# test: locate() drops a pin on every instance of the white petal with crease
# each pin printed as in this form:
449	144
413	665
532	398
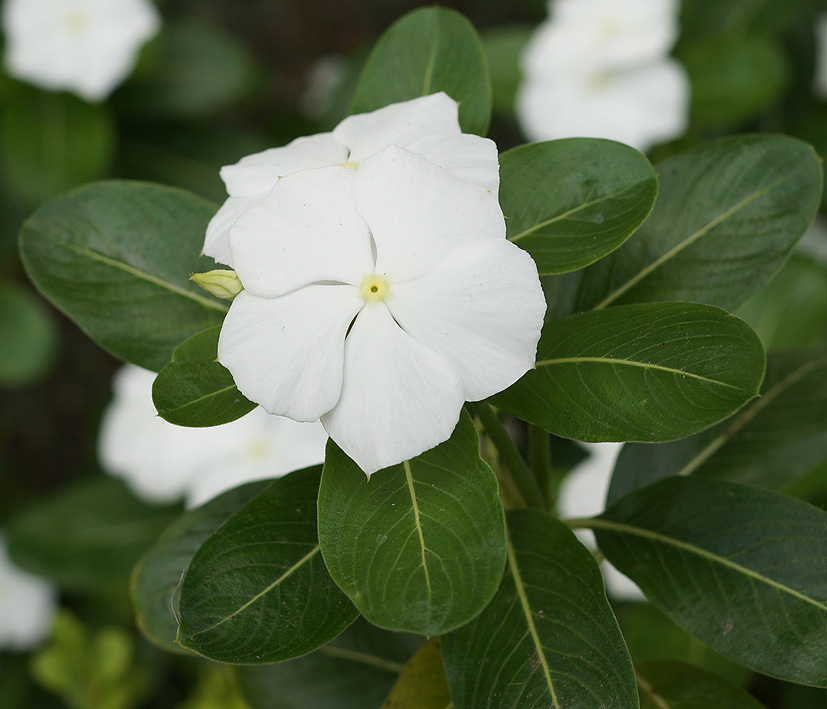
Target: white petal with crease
418	212
398	124
466	156
217	240
481	308
399	398
304	231
286	353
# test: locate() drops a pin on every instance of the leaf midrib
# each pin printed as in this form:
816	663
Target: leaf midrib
619	527
632	363
415	504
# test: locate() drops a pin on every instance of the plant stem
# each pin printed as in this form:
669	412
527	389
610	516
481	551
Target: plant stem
539	453
509	454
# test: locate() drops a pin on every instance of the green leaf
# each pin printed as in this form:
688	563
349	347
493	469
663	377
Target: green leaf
428	50
51	142
86	537
194	389
158	574
193	69
419	546
666	684
769	443
257	590
28	334
649	372
571	202
422	683
116	258
727	217
549	638
733	78
354	671
741	569
791	311
503	48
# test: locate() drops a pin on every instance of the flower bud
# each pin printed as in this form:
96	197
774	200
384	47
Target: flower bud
221	283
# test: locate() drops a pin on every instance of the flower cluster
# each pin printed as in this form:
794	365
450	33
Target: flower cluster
380	292
162	462
600	69
84	46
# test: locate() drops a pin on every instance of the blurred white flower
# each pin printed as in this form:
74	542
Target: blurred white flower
583	494
84	46
820	78
162	462
325	79
27	604
599	69
379	300
428	125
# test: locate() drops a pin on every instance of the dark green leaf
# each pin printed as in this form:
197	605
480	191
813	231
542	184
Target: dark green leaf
727	217
419	546
116	257
649	372
549	638
194	389
354	671
28	334
733	78
666	684
257	590
429	50
159	572
51	142
422	683
571	202
86	537
741	569
769	443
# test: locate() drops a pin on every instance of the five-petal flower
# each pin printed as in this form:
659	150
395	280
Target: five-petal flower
380	300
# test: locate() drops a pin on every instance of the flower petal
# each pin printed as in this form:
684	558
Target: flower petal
255	175
286	353
481	308
217	240
398	124
398	397
304	231
418	212
466	156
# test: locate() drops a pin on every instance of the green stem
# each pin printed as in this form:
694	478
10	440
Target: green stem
539	454
509	454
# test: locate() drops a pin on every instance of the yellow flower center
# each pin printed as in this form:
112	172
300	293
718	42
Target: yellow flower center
611	27
350	165
75	21
374	287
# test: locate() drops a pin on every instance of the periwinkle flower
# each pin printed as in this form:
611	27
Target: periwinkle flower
379	300
84	46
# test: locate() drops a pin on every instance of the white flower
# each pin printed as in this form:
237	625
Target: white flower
162	462
583	494
640	107
379	300
427	125
27	604
84	46
820	78
599	69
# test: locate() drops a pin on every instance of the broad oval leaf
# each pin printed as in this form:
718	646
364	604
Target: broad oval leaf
157	575
29	336
648	372
419	546
741	569
87	537
571	202
549	637
727	217
422	683
257	590
426	51
116	258
667	684
769	443
194	389
356	670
